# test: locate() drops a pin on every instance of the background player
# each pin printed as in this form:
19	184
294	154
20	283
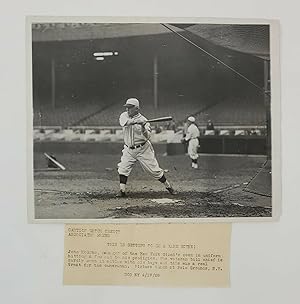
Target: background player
192	138
137	146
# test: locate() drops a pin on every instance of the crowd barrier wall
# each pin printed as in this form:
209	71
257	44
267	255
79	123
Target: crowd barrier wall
209	144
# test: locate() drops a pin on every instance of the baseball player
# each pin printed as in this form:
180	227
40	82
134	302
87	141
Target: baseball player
137	147
192	138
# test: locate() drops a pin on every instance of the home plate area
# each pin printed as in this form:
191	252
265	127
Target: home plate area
86	190
165	201
207	205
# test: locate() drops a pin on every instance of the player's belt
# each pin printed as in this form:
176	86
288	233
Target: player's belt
137	146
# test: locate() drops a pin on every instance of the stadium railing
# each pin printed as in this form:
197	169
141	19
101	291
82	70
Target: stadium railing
115	134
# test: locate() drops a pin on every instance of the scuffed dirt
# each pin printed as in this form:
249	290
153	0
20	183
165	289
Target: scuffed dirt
87	189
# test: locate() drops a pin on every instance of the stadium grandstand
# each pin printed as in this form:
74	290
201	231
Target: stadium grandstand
74	87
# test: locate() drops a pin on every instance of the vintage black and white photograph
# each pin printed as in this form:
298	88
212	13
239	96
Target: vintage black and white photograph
155	120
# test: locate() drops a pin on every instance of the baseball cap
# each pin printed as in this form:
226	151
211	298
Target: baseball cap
191	119
132	102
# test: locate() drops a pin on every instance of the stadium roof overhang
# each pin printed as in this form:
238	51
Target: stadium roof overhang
83	31
251	39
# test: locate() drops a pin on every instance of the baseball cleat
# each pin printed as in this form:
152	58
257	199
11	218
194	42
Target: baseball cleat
194	166
171	191
121	194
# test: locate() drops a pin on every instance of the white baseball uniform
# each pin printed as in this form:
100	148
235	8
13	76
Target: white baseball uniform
192	135
137	147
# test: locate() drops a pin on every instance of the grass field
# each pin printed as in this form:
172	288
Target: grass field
86	190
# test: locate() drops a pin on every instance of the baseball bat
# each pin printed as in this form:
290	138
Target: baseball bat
55	162
166	118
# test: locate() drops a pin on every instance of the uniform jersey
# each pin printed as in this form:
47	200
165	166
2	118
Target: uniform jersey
132	152
192	132
133	134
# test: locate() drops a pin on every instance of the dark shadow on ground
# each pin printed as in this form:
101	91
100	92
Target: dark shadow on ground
204	210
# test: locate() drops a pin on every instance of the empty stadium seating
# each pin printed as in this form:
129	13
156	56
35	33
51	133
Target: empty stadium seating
178	109
238	111
189	82
243	111
65	116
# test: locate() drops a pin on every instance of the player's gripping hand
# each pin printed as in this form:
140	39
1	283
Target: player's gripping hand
141	121
132	121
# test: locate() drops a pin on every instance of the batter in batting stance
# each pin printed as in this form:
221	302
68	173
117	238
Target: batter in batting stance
192	137
137	147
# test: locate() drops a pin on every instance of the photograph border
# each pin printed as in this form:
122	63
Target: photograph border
275	114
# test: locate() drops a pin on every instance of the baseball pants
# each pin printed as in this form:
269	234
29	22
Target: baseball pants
193	148
145	156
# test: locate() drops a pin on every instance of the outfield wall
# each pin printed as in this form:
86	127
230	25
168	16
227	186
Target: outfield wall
225	145
209	144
